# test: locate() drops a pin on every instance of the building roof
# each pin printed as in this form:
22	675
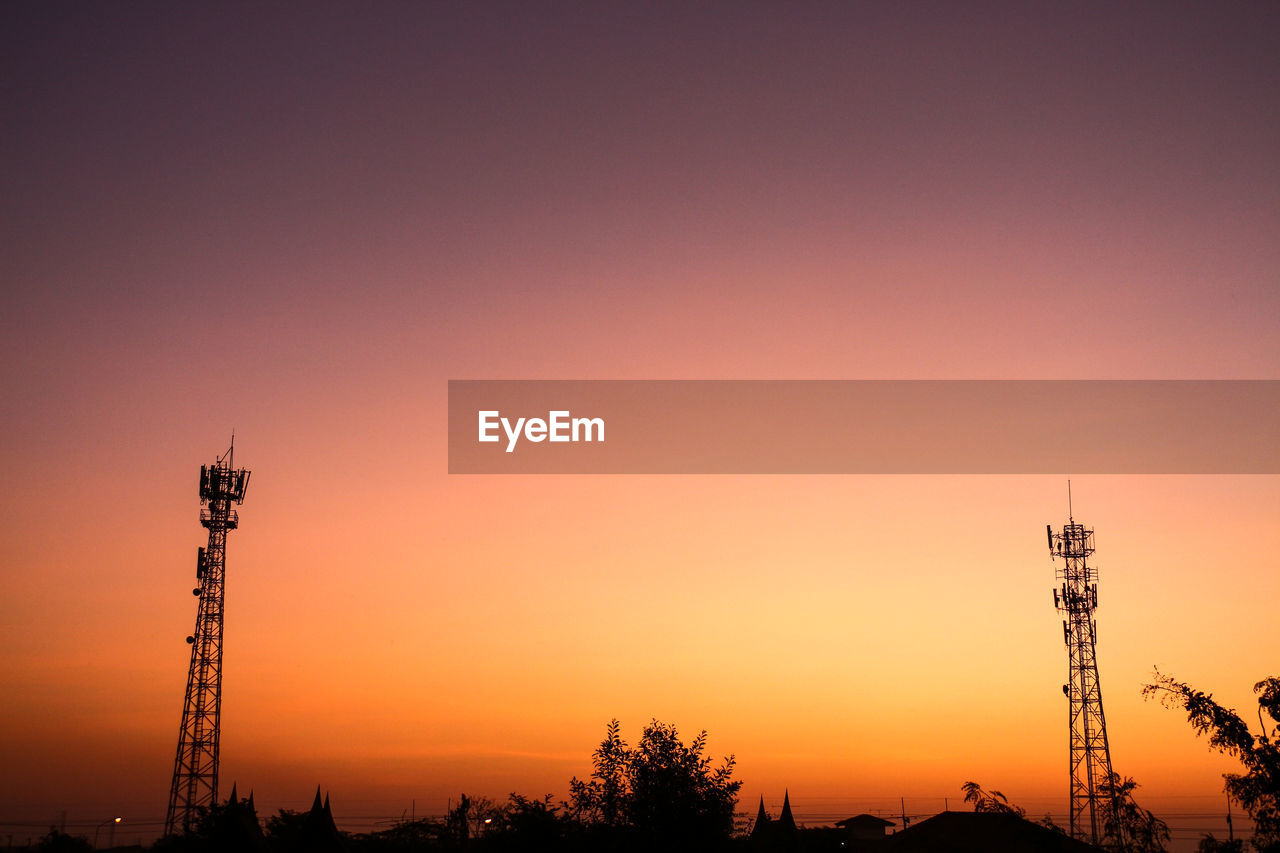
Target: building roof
865	820
983	832
318	830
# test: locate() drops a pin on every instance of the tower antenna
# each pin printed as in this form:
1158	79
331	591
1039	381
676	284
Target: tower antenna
195	768
1092	792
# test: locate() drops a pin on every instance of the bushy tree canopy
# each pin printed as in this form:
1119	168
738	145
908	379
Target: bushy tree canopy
658	792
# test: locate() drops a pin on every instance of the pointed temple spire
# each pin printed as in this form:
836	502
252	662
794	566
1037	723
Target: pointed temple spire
786	822
762	821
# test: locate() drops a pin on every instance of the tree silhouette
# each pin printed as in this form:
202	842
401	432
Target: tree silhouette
528	824
231	825
601	801
285	827
1258	788
1141	830
660	794
992	802
57	841
471	817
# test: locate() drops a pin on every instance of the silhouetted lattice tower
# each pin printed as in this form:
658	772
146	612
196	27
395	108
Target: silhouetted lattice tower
195	770
1092	794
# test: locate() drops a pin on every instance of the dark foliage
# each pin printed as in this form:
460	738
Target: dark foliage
1141	830
1257	789
602	800
285	827
471	818
228	826
59	842
529	824
1049	823
424	834
661	794
991	802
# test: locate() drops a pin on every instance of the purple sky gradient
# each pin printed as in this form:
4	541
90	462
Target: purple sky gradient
278	167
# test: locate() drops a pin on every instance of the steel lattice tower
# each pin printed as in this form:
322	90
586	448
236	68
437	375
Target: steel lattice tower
195	769
1092	792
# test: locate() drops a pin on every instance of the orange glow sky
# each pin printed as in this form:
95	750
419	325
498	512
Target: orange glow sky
303	228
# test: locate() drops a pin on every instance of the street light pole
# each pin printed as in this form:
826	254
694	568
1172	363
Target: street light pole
112	838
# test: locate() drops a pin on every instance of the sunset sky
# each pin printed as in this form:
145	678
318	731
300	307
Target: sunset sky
300	224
